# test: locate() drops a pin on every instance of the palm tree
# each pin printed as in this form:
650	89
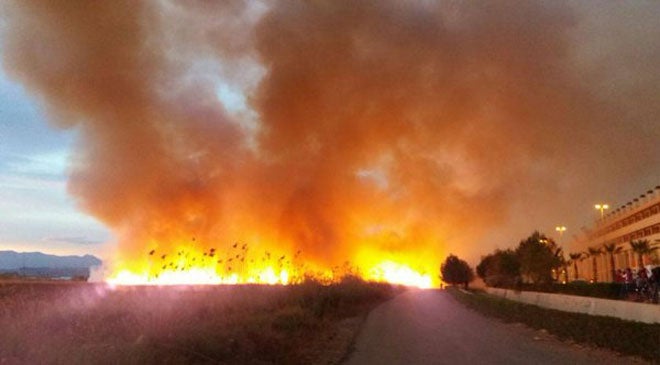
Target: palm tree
593	252
612	249
575	257
559	262
641	248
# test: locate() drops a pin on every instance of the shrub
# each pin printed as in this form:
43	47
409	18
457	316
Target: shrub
595	290
632	338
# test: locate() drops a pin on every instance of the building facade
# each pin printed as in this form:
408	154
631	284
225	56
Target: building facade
639	219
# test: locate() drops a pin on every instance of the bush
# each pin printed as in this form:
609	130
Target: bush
595	290
501	268
628	337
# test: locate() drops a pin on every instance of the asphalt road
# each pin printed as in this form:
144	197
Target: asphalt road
431	327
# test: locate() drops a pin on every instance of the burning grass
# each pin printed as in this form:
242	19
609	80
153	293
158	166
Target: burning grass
193	263
246	324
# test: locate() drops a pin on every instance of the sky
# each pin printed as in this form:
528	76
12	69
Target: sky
457	127
36	213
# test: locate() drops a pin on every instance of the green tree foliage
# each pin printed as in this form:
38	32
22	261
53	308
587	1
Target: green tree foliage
501	268
539	256
456	271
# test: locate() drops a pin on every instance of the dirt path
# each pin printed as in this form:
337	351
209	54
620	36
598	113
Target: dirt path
430	327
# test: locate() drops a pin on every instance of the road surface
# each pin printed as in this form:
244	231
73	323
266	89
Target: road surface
431	327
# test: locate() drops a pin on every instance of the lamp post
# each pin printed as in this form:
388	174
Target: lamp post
601	207
561	230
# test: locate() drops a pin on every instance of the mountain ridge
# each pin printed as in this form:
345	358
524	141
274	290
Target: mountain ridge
12	260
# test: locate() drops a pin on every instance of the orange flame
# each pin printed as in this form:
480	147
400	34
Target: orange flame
237	265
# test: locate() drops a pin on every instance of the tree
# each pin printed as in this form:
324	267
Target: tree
574	258
456	271
501	268
561	262
538	256
641	248
593	253
485	266
612	249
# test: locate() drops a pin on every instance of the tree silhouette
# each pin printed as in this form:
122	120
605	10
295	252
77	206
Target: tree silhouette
538	256
456	271
574	258
499	268
641	248
612	249
593	253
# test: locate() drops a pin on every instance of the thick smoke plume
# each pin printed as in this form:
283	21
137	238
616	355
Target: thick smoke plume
403	128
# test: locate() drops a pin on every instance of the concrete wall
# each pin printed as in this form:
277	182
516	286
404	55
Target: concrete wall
631	311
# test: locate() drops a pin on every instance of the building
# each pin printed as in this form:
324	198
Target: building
638	219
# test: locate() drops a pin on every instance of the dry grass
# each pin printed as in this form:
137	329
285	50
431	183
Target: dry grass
246	324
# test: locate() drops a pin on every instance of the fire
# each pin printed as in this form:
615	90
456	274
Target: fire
196	276
236	265
181	132
398	269
378	253
194	266
396	273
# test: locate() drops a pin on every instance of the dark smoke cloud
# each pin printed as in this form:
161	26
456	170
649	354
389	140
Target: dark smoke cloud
403	126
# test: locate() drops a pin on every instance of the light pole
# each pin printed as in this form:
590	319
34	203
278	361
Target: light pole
561	230
601	207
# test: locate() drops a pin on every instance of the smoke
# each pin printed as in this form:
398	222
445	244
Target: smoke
411	128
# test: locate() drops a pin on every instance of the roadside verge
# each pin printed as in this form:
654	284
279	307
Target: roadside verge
630	311
625	337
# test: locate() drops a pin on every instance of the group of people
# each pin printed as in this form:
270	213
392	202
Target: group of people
642	283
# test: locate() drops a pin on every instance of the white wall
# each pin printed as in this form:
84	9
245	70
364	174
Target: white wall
631	311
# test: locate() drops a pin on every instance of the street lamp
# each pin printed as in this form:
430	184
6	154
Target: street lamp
601	207
561	230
